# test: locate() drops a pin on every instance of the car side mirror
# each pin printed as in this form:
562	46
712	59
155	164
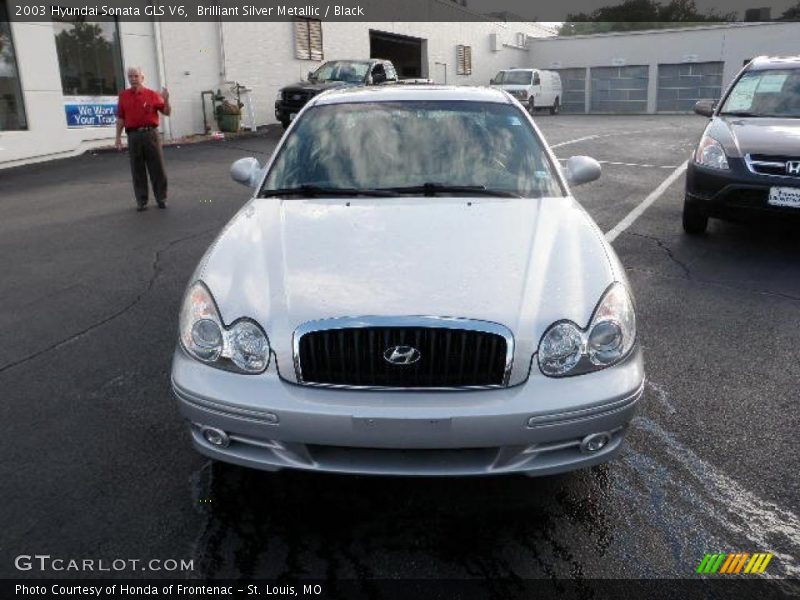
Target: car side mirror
582	169
493	82
246	171
310	75
705	107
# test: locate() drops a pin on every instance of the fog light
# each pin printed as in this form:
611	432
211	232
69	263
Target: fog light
595	442
216	437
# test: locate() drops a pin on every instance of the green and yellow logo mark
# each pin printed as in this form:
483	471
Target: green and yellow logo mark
732	564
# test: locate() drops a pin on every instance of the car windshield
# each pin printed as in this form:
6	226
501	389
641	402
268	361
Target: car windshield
773	93
426	147
342	70
514	77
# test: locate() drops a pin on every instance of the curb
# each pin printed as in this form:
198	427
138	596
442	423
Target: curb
261	131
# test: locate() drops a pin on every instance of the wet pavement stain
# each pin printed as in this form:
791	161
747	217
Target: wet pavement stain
290	525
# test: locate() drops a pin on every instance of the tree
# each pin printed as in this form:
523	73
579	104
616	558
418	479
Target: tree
637	15
792	14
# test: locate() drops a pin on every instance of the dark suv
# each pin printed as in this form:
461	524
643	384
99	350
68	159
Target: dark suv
334	73
748	160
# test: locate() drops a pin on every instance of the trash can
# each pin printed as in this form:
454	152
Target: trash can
229	123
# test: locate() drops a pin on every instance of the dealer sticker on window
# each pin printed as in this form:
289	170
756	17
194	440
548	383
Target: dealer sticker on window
784	196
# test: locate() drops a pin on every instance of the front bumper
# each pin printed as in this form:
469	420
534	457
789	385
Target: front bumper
536	427
736	192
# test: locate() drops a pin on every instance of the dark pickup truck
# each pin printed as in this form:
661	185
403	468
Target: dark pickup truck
334	73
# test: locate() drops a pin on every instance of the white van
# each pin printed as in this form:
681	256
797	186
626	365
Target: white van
532	87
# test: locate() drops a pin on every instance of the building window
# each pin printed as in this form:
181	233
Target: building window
308	39
463	60
89	57
12	110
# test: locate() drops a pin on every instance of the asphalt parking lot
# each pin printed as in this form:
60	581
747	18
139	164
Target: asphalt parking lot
97	462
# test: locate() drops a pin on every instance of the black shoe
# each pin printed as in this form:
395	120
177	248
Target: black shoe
162	204
141	207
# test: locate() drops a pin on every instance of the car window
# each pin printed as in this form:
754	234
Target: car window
770	93
536	79
350	72
379	73
514	77
399	144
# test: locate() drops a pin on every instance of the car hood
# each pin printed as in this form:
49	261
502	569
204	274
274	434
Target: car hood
316	86
742	136
523	263
512	87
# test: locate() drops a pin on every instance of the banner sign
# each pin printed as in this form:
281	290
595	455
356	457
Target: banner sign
90	111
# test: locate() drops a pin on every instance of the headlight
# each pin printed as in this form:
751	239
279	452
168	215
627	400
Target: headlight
710	154
566	349
241	347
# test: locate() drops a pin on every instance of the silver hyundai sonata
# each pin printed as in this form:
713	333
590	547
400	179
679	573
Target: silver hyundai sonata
412	290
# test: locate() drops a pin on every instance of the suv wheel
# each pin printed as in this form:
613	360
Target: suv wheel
555	108
695	221
531	105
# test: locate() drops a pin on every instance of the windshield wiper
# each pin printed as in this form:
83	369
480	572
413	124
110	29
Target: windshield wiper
312	191
739	113
431	189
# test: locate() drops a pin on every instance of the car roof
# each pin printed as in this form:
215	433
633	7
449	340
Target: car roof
774	62
398	93
353	60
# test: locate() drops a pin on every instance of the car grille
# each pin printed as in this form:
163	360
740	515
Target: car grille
766	164
449	357
297	98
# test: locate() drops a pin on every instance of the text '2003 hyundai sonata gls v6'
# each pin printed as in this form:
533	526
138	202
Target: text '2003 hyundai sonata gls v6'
411	291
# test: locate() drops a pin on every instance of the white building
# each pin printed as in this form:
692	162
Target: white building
59	80
665	70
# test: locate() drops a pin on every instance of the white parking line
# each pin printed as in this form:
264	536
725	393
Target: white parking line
625	164
575	141
605	135
645	204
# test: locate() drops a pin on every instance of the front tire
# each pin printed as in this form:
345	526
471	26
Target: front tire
695	221
555	108
531	105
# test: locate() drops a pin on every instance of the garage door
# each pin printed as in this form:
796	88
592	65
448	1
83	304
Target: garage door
405	52
681	85
619	89
573	85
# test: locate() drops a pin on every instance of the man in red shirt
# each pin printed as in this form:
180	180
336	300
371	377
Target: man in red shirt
137	114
